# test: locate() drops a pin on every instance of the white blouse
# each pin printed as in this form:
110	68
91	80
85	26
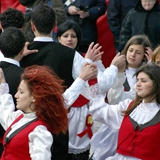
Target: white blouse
37	148
117	93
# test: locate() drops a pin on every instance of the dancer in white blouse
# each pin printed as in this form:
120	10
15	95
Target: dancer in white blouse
40	114
69	34
138	120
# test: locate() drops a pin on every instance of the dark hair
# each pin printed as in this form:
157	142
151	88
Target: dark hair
137	40
47	90
12	18
12	41
153	71
67	25
43	17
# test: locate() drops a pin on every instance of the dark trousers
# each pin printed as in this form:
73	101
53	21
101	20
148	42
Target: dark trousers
81	156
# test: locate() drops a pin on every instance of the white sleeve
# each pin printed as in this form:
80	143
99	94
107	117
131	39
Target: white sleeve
40	142
7	107
78	62
72	93
110	115
107	78
117	93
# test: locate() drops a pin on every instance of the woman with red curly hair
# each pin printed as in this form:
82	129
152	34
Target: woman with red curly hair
41	113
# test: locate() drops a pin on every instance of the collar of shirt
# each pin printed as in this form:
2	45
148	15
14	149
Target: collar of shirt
13	61
43	39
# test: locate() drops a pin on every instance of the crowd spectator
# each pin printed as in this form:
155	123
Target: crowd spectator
142	19
116	12
85	13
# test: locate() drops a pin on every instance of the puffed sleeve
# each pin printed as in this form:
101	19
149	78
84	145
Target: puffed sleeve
7	107
107	78
40	142
110	115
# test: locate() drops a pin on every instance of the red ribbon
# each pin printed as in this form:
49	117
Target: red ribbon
80	101
89	124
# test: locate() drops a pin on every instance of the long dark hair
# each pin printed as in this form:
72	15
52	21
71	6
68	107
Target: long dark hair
67	25
153	71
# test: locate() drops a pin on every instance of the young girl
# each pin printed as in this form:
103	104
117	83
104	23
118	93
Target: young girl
135	51
141	117
69	34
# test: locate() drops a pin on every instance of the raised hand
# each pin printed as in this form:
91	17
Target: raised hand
119	61
89	71
148	53
94	52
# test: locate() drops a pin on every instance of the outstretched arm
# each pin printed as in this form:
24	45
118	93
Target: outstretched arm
89	71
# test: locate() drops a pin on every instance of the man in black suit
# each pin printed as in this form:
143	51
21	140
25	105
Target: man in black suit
12	42
65	62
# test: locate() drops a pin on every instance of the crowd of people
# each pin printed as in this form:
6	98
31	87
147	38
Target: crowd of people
54	86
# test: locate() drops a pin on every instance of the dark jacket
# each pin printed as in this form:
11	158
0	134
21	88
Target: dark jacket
116	12
140	21
58	7
96	8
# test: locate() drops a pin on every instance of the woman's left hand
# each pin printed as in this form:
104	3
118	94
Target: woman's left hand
148	53
2	78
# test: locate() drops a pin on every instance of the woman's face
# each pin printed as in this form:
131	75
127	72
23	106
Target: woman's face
148	4
135	55
24	98
144	86
157	60
69	38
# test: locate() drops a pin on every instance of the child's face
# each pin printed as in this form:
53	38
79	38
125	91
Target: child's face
135	55
148	4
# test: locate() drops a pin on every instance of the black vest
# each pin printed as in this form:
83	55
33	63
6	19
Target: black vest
58	57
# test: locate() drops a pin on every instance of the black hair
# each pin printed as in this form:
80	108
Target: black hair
12	18
12	41
67	25
43	17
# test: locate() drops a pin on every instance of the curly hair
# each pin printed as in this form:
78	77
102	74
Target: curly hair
47	90
12	18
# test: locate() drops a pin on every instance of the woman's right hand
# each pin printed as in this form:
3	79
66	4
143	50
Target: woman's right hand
89	71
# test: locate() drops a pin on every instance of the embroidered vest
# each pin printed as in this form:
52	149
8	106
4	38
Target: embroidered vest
17	148
140	141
